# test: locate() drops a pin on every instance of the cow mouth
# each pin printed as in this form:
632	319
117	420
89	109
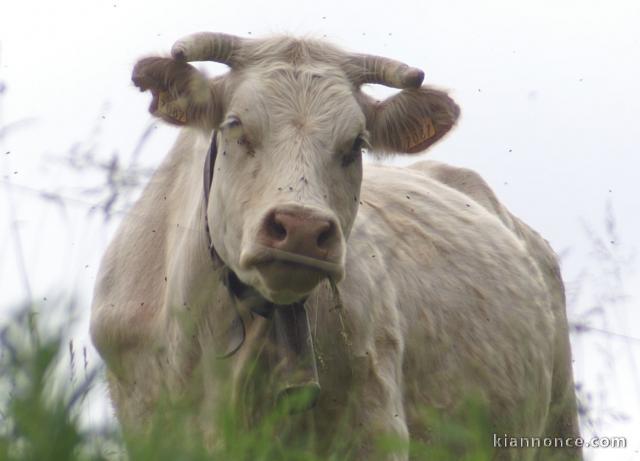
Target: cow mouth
288	277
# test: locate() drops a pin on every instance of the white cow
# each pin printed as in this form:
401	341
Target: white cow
407	288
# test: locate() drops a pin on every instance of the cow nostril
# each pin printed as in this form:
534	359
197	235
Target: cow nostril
324	237
275	229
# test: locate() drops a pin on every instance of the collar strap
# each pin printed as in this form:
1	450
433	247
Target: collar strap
209	164
247	295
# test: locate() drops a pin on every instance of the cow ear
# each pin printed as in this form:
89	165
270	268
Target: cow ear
181	94
409	121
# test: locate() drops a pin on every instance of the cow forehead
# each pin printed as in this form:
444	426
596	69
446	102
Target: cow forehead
309	98
290	50
298	86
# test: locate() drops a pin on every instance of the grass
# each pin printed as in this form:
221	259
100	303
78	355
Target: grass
39	418
35	424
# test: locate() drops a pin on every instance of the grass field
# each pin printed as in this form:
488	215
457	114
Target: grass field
39	417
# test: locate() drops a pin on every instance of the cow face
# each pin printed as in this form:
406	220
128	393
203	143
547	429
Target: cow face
291	124
287	179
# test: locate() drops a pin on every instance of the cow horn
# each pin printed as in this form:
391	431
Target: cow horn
364	68
207	46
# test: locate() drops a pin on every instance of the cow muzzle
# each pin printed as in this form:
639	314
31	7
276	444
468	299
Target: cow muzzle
295	248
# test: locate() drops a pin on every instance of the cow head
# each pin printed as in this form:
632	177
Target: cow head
291	123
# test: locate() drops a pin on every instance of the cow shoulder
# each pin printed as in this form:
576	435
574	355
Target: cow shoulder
131	283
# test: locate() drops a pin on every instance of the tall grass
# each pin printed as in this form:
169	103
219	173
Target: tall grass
39	418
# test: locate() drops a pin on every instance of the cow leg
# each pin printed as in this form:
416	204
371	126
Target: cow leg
380	414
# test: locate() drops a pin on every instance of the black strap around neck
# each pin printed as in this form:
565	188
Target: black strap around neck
209	164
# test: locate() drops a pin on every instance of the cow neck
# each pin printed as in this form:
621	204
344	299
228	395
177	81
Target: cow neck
291	333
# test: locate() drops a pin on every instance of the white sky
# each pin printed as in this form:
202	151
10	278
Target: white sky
549	95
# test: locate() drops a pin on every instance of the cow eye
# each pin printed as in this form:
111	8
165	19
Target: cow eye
231	123
235	132
355	152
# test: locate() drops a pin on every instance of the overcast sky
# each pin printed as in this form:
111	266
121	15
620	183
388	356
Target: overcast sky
549	96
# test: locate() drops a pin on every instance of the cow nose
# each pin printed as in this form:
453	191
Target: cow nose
300	232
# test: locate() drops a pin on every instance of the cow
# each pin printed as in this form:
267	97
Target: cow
265	242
